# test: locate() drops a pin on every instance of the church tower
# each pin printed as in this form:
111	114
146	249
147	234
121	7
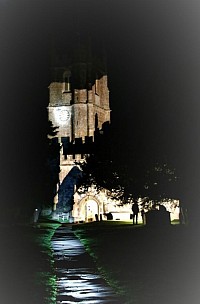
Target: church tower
78	106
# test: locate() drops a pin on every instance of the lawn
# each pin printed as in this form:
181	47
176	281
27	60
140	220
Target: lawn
146	265
26	261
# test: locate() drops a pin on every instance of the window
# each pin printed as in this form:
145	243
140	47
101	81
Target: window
66	81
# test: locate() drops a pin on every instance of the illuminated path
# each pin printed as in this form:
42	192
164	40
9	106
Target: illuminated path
78	280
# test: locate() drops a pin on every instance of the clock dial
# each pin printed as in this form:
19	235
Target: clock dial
62	115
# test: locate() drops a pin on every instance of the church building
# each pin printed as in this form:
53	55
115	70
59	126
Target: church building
79	107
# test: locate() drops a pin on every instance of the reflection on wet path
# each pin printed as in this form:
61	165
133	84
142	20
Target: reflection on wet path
78	281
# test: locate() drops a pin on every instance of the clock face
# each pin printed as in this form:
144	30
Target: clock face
62	115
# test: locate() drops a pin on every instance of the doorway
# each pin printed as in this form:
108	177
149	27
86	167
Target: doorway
91	208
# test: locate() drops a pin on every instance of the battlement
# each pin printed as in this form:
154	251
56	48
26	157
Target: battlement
79	148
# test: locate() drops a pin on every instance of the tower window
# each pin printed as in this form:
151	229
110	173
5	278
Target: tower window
96	86
67	81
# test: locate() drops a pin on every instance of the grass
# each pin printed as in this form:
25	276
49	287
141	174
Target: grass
26	262
45	279
145	265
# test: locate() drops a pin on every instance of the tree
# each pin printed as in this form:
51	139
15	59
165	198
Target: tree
100	168
127	173
51	165
41	176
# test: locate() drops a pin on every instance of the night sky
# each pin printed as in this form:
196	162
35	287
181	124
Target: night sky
153	49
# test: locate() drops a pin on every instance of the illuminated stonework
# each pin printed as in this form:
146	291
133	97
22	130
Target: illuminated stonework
78	106
94	205
82	113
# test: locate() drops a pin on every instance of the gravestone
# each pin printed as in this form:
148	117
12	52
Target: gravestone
157	218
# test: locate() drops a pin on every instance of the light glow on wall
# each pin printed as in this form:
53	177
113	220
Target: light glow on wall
61	115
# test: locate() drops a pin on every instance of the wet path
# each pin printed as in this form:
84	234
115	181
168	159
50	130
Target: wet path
78	280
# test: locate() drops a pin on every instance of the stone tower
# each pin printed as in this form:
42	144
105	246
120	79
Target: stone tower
78	106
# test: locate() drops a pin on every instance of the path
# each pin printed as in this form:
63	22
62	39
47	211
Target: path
78	280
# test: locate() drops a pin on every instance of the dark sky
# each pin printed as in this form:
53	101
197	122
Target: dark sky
153	49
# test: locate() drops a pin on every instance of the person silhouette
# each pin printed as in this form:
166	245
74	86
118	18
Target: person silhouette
143	215
135	210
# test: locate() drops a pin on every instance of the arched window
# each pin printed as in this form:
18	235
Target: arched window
97	86
66	81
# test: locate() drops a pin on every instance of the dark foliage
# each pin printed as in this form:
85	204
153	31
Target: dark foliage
126	173
52	165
